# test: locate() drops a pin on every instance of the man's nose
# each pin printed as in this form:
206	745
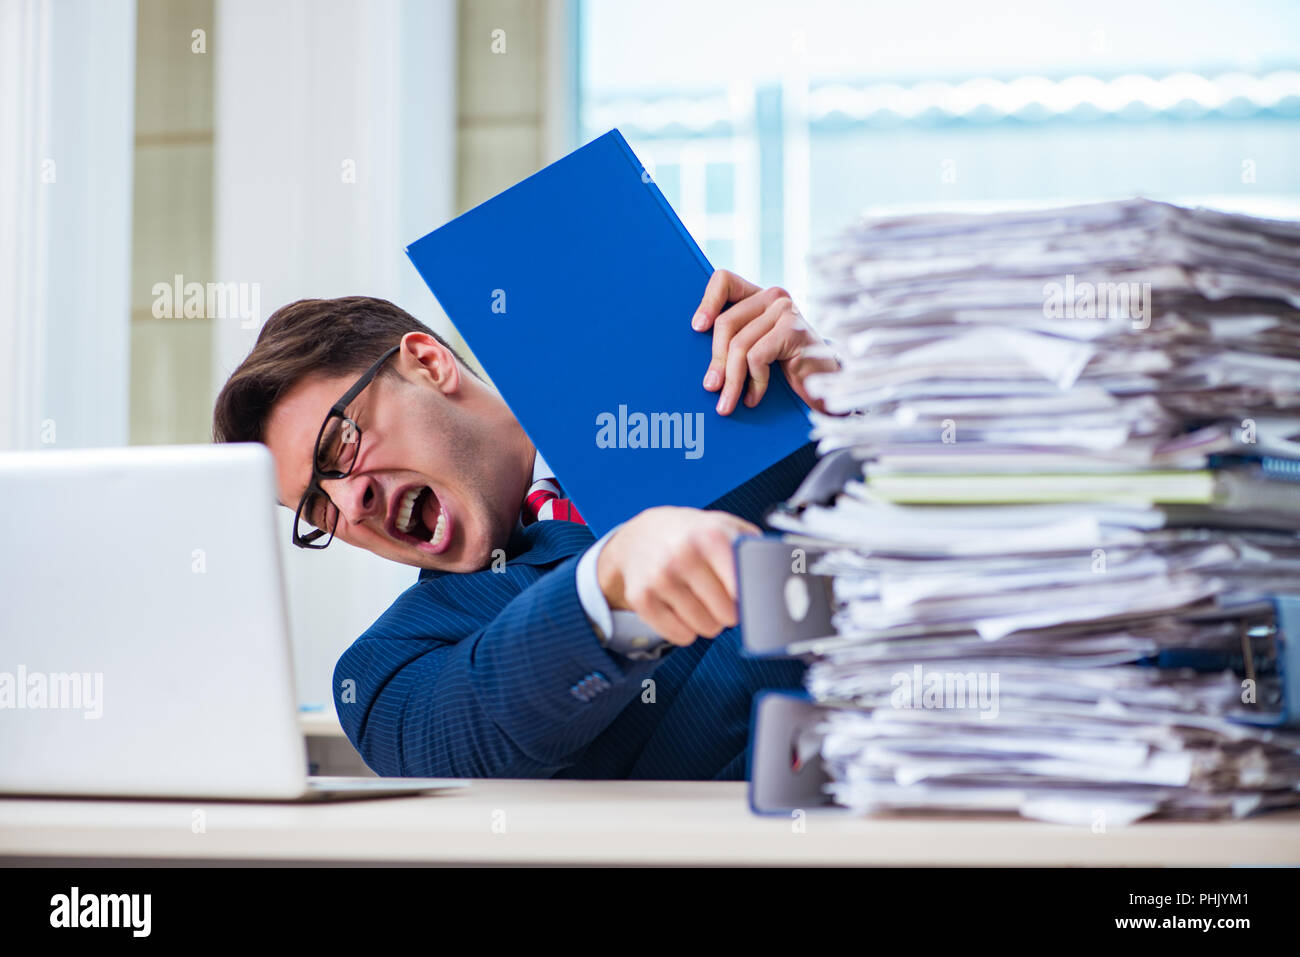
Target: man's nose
357	497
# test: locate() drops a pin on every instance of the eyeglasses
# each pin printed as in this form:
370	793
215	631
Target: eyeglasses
337	445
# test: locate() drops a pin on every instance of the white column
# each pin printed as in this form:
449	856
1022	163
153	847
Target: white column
309	92
303	87
67	105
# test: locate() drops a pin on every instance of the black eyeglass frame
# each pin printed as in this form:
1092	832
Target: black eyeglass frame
318	474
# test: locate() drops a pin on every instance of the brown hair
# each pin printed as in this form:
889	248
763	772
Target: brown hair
327	337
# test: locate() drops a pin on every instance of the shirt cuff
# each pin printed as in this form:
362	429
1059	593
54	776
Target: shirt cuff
620	631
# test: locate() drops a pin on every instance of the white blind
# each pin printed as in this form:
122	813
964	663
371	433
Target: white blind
67	100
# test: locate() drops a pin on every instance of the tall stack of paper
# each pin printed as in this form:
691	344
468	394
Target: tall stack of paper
1079	494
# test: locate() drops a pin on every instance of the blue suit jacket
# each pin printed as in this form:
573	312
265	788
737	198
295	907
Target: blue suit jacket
499	674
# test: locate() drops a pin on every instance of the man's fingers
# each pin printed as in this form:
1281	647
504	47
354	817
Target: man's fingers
729	323
717	550
766	351
782	340
724	287
737	366
738	524
659	615
699	575
682	597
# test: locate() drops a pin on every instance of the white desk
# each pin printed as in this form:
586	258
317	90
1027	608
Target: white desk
600	822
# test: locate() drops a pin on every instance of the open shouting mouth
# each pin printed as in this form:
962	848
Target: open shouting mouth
418	518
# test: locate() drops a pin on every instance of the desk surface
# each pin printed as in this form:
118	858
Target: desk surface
322	724
601	822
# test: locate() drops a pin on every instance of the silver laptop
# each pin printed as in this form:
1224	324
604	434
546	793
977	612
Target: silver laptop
144	643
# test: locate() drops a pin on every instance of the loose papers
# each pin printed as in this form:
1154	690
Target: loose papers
1078	434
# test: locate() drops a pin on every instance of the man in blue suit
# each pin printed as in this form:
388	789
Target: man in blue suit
526	648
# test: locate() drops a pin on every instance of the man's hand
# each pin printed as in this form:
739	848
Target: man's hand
674	567
761	326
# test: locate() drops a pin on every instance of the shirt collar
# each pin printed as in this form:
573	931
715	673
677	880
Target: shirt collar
540	469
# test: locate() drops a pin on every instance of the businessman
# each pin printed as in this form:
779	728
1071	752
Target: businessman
526	648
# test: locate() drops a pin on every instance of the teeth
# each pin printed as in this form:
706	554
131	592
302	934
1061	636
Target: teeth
405	521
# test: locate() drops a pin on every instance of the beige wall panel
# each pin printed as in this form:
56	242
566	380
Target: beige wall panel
173	84
501	86
172	220
171	362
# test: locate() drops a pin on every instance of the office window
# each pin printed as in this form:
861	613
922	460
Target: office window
771	126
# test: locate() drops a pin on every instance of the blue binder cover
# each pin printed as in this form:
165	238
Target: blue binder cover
575	289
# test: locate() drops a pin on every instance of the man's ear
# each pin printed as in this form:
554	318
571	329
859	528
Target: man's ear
424	360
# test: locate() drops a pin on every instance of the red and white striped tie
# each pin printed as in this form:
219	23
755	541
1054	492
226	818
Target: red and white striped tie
543	502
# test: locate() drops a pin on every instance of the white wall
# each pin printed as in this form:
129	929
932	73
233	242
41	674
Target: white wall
301	87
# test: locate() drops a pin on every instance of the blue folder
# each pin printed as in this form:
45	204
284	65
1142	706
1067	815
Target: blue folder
575	289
